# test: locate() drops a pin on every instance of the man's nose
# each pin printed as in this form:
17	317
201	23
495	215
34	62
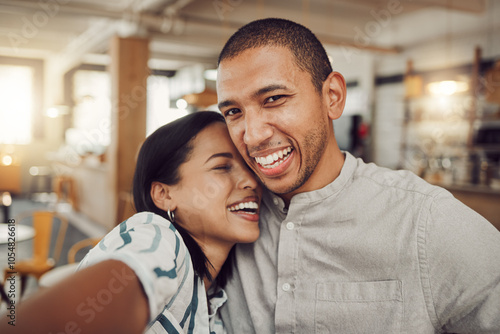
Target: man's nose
257	130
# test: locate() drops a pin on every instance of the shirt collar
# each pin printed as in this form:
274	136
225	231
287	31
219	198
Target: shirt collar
216	298
320	194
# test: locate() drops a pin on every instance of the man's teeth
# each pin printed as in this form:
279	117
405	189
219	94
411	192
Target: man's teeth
271	160
245	205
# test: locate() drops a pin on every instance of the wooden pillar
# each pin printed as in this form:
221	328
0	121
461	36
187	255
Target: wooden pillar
474	89
129	73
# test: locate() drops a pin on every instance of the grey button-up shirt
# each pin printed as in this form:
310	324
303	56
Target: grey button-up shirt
375	251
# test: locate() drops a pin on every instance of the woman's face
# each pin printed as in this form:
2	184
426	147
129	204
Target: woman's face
218	197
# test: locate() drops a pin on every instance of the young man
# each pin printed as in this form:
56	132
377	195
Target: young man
345	247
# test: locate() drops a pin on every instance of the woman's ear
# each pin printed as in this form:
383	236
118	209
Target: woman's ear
160	194
334	92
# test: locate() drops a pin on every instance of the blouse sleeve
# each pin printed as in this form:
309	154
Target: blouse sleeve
153	249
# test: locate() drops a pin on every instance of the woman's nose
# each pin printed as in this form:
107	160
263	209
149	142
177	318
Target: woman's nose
247	179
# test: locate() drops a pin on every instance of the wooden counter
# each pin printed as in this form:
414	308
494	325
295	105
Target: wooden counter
482	199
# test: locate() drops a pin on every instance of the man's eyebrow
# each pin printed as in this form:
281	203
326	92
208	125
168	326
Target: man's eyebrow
226	103
260	92
222	154
267	89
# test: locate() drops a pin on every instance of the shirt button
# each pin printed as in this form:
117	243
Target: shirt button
286	287
276	201
290	226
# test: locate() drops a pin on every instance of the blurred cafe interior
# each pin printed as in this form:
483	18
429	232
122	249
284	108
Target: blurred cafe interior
83	82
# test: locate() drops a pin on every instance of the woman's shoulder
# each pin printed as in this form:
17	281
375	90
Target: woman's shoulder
144	232
146	222
145	218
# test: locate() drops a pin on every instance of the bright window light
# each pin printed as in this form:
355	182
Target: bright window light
159	111
16	92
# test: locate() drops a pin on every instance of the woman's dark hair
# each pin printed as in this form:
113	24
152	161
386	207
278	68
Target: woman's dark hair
160	157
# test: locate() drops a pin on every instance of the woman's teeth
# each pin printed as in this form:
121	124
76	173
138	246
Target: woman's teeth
275	159
243	206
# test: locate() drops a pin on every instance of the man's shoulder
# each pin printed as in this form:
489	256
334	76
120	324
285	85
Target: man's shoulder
403	180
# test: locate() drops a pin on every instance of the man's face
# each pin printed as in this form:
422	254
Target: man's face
276	117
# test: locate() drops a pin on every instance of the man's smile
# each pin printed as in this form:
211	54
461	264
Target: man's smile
275	159
276	163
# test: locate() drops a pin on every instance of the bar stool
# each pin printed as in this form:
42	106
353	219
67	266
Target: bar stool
65	189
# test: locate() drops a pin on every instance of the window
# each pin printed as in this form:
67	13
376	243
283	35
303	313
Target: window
16	109
159	111
90	132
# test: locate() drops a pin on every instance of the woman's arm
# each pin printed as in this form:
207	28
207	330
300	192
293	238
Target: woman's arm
104	298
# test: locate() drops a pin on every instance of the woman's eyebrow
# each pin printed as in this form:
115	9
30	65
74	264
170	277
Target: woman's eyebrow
222	154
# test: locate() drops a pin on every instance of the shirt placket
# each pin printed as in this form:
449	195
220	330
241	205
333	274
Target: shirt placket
285	316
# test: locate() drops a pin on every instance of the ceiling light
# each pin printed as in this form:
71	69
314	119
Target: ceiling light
7	160
52	112
447	87
56	111
6	199
181	104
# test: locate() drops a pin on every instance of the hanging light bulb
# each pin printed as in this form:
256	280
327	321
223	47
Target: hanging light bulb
447	87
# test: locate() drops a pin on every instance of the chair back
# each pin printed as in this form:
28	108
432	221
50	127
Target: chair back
44	226
89	243
41	262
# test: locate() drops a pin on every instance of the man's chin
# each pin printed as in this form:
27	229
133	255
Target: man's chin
287	185
282	184
278	186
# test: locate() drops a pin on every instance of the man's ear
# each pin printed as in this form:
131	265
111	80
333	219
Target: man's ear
160	194
334	92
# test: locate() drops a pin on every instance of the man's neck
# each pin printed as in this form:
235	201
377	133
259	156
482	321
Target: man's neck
327	171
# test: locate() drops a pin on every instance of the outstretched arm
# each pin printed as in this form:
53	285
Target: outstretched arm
104	298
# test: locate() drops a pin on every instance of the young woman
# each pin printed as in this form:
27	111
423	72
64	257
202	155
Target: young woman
163	269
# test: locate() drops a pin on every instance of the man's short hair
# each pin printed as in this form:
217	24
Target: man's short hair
309	53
